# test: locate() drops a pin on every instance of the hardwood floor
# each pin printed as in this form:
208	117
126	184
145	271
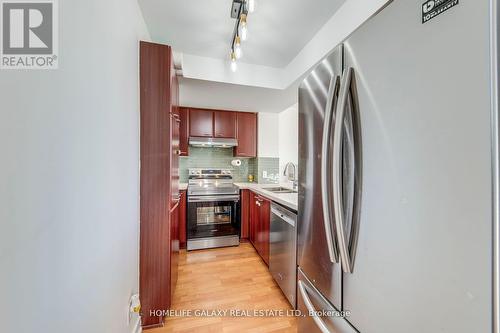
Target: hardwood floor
227	279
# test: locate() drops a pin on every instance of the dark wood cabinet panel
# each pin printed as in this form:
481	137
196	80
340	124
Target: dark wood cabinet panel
182	219
259	226
174	247
246	133
265	228
184	131
253	219
201	123
219	124
158	226
224	124
245	213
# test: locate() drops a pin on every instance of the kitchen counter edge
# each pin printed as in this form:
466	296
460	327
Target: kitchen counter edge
289	200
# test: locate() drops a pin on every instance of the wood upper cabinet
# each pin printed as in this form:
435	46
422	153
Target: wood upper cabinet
246	133
201	123
260	225
225	124
184	131
219	124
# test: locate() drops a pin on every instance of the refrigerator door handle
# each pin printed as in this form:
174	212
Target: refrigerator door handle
310	307
326	187
347	251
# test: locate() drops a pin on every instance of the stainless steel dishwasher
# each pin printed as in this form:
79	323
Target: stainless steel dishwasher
283	251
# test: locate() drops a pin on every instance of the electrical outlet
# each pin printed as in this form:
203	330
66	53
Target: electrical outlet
264	174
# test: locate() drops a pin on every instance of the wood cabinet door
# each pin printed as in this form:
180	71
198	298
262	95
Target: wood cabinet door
184	131
265	228
246	133
174	247
201	123
182	220
254	218
157	99
225	124
245	214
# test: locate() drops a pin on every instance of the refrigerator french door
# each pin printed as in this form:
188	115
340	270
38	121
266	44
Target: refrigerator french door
411	184
317	250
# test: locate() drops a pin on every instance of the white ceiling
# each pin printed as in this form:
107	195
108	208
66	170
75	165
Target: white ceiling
277	30
283	46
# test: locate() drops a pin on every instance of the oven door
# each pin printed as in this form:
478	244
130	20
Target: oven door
213	216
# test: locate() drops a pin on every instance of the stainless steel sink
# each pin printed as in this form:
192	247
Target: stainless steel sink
279	189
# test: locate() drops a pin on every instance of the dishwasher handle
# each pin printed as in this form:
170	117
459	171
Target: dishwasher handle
284	215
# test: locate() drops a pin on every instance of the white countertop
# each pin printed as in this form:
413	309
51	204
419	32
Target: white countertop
289	200
183	186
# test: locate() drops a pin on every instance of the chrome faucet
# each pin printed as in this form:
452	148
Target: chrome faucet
293	176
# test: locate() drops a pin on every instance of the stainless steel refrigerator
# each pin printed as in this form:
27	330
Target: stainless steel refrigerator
397	175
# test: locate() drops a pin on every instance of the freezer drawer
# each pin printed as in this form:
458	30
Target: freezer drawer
283	251
310	300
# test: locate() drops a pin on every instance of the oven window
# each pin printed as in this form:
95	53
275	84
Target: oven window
213	215
212	219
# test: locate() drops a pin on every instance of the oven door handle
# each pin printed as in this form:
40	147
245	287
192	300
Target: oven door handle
213	198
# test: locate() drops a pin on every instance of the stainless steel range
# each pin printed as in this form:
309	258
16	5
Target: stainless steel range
213	205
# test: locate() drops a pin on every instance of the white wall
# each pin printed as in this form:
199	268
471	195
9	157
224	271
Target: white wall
351	15
225	96
268	135
69	177
288	137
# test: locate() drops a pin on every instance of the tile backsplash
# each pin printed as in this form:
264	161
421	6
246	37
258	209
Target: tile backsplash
267	170
264	169
216	158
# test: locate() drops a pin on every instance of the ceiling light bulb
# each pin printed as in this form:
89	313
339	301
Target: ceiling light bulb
237	52
234	66
243	19
237	47
243	27
244	32
251	6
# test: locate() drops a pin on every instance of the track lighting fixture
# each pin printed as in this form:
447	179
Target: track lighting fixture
239	11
